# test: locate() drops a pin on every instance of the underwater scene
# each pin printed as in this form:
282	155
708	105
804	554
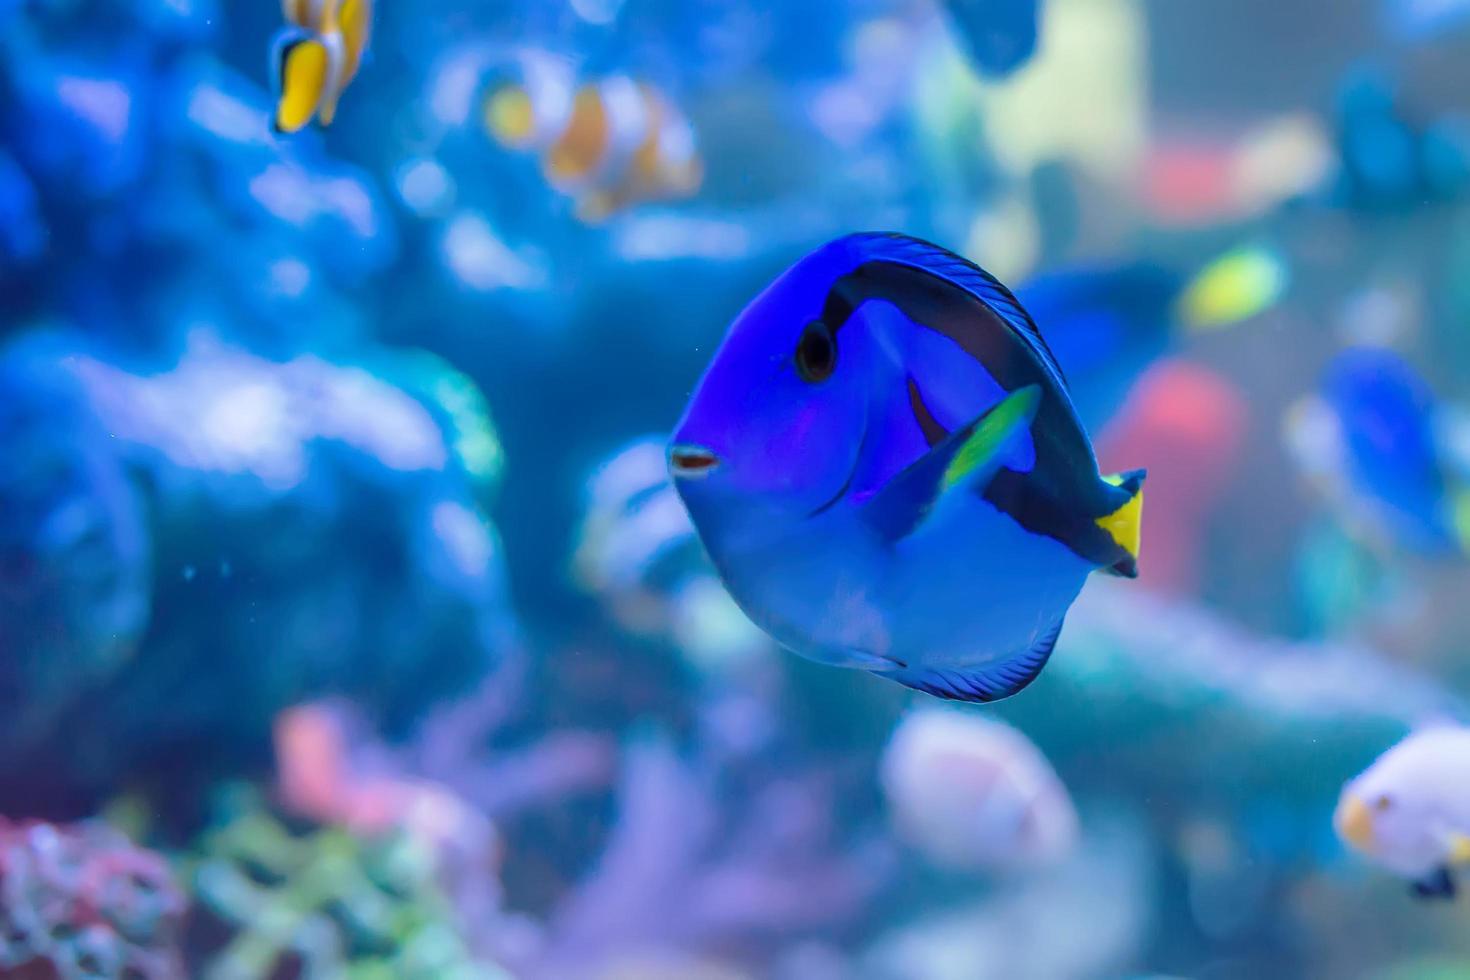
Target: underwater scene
718	490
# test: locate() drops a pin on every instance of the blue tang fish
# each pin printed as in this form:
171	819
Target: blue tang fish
1369	434
887	470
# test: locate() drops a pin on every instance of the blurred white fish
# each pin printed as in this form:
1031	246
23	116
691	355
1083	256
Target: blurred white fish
973	793
1409	812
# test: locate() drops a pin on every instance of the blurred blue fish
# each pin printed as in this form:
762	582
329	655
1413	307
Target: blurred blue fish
1369	436
1105	324
998	35
1387	158
885	465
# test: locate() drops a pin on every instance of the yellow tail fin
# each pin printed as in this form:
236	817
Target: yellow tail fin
1124	524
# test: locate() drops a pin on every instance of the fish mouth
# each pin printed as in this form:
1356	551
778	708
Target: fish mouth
1354	822
690	462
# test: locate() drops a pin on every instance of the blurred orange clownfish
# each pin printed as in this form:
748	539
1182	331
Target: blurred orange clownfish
314	58
608	144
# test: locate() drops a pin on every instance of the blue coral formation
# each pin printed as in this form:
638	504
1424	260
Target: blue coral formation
177	558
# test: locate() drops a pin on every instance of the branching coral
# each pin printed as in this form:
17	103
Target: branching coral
324	903
83	902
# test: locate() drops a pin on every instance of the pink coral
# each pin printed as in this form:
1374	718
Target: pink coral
1193	422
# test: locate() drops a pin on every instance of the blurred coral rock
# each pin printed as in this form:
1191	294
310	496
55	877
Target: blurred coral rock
82	901
187	550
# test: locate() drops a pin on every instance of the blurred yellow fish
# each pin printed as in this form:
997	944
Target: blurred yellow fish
1237	286
315	57
608	144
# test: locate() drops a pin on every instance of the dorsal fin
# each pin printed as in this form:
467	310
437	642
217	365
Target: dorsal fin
918	254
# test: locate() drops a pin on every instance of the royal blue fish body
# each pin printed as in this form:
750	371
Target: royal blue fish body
1385	411
887	469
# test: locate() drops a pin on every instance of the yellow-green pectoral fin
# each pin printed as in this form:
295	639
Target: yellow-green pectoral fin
992	434
1459	848
969	457
303	80
1124	525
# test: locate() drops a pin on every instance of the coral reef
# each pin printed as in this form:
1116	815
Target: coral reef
82	902
679	872
248	472
177	560
323	903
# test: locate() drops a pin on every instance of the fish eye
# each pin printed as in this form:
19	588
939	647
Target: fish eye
1382	803
816	353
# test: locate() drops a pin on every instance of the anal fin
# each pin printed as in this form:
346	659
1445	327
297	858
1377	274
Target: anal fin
992	682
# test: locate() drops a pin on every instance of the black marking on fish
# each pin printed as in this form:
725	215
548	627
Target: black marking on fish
1063	495
934	433
846	484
